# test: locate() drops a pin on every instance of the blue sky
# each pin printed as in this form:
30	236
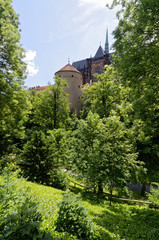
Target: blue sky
54	30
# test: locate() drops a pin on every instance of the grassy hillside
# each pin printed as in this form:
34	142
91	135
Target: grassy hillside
119	221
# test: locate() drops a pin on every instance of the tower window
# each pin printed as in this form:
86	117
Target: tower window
72	75
78	86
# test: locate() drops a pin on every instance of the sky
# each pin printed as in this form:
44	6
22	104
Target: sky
54	32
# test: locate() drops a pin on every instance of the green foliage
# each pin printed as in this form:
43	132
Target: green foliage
120	221
58	179
13	99
58	146
37	161
129	222
153	196
19	216
9	159
125	192
43	156
137	57
107	95
72	218
104	152
50	108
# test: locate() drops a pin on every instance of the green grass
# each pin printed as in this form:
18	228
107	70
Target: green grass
119	221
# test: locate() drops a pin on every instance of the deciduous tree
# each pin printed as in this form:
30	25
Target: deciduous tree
137	58
104	152
51	107
13	100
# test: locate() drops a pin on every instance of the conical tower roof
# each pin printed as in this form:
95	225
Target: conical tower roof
106	42
68	68
99	53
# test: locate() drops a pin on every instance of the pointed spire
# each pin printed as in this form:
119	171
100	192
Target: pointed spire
106	42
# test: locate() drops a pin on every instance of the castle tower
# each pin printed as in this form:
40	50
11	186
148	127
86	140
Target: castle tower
74	81
106	42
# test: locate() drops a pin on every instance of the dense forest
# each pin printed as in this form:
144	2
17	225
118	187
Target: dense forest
112	143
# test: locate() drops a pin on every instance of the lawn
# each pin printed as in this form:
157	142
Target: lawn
119	221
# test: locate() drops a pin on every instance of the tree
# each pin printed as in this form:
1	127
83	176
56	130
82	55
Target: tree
72	217
13	100
104	152
107	95
37	161
153	196
44	155
51	107
137	58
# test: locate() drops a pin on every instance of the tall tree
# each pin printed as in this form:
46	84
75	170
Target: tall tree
137	57
44	155
37	160
107	95
104	151
51	107
13	100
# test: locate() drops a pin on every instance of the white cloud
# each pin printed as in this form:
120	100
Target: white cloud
93	5
89	7
30	61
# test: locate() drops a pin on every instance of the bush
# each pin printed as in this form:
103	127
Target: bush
37	161
153	196
7	160
58	179
18	212
42	160
72	218
125	192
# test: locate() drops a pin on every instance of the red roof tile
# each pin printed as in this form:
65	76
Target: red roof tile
41	88
68	67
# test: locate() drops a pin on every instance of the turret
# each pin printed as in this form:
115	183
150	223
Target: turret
106	42
74	81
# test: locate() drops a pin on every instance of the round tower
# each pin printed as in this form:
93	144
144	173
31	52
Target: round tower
74	81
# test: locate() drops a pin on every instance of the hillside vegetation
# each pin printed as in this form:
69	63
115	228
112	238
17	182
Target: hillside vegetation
119	221
113	142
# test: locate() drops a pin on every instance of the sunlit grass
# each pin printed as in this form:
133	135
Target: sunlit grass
119	221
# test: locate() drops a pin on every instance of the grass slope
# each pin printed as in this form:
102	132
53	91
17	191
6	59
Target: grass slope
119	221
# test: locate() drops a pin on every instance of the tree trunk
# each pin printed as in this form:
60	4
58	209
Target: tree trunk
100	187
111	193
143	189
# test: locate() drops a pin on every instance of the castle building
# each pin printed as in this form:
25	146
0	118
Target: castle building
95	64
74	81
82	72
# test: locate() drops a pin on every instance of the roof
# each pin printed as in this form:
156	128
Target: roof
80	64
99	53
68	68
38	88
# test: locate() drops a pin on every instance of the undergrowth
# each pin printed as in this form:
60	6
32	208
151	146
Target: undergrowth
22	213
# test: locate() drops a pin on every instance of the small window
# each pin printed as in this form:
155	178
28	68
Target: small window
78	86
72	75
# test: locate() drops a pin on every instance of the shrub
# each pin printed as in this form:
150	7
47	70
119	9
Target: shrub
42	160
18	212
153	196
125	192
72	217
37	161
7	160
58	179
